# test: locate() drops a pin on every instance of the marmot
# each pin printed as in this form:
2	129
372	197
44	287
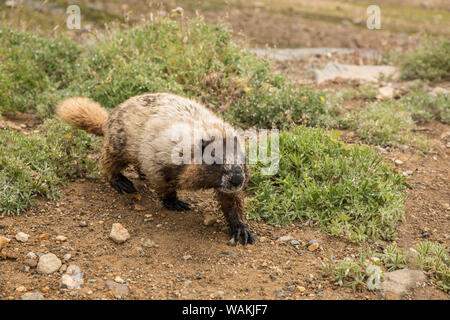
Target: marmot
141	130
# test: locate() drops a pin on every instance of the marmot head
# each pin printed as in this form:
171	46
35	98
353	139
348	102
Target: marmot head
223	166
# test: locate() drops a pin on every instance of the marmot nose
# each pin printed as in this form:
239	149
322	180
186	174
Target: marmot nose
236	180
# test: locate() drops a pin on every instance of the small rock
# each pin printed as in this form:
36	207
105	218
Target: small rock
61	238
290	288
32	296
295	242
117	288
22	237
67	257
400	281
119	280
279	294
313	245
118	233
209	220
187	257
385	93
30	263
43	236
398	162
138	207
220	292
73	278
301	289
32	255
83	224
149	243
48	263
21	289
284	238
3	242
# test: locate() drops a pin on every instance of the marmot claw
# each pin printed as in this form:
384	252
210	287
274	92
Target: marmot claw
121	184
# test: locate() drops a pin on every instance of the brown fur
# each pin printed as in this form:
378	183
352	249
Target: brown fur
83	113
138	132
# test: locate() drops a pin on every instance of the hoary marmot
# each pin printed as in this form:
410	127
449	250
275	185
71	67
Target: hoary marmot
143	131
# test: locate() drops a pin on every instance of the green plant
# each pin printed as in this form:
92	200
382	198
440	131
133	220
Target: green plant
386	123
348	272
38	164
393	258
348	191
429	62
434	259
33	69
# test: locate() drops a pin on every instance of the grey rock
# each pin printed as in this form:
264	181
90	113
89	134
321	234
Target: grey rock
400	281
117	288
22	237
48	263
32	296
118	233
335	70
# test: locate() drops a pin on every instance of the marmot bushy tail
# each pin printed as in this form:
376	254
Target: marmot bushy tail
83	113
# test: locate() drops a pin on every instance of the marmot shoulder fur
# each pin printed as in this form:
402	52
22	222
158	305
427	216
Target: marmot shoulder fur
141	130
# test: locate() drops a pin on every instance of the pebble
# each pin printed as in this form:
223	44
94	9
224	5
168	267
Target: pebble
279	294
301	289
313	245
48	263
67	257
73	278
118	233
3	242
149	243
32	255
209	220
30	263
32	296
83	224
61	238
21	289
22	237
295	242
385	93
187	257
119	280
284	238
117	288
398	162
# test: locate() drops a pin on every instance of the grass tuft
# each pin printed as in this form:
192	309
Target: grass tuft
348	191
38	164
429	62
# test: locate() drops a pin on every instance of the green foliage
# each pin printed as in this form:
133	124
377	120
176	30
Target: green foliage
349	272
37	164
393	258
392	122
427	63
32	69
434	259
197	60
348	191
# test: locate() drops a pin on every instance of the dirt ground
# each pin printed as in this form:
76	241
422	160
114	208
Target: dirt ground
173	255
